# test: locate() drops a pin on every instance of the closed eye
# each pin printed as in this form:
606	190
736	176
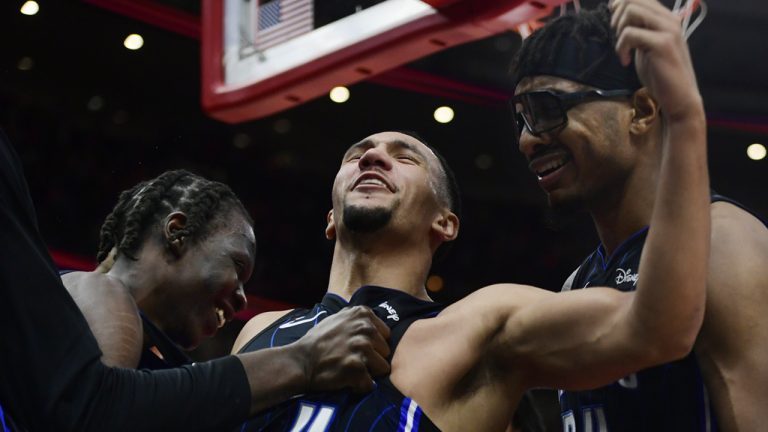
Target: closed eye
407	157
239	266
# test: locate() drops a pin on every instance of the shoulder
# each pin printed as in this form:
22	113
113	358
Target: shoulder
111	313
256	325
93	289
739	240
736	294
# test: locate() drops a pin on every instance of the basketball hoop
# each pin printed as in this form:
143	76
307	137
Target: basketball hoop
258	61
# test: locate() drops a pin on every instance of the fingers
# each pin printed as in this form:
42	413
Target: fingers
644	25
350	348
370	343
637	38
381	326
638	14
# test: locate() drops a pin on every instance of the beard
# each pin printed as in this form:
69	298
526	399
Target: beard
366	220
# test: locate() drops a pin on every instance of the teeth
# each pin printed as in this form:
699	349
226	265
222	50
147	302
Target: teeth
549	166
220	315
372	181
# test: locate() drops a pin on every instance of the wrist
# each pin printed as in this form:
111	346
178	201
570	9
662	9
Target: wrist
297	365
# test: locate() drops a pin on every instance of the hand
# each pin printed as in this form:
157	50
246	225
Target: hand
346	350
661	55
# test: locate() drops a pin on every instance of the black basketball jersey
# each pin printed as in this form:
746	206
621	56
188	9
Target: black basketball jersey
385	409
669	397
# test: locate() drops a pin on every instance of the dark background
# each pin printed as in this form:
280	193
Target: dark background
91	118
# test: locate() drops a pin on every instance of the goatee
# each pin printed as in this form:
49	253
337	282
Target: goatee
366	220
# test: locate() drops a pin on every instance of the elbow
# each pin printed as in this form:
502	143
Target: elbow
668	343
677	348
670	346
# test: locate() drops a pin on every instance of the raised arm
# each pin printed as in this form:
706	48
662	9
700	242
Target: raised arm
593	336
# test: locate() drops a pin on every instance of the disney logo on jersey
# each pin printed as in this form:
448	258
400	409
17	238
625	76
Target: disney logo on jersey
391	311
623	276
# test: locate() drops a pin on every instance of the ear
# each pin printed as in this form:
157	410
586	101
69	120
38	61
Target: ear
446	226
645	112
175	222
330	229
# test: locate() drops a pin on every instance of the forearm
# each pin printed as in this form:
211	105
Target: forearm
669	305
274	375
211	396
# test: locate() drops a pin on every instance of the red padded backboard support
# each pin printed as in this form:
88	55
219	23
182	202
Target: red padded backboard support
457	22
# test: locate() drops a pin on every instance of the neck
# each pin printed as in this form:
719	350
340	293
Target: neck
621	212
402	267
140	279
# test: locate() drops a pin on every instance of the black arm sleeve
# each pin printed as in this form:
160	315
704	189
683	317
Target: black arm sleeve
51	376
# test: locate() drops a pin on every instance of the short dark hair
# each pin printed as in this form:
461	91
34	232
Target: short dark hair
145	205
589	33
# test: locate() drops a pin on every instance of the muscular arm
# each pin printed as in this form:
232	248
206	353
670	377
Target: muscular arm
733	345
591	337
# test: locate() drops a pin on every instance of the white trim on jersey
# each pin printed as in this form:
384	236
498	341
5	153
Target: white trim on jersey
301	321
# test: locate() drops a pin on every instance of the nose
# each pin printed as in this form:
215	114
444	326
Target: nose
375	157
239	301
529	144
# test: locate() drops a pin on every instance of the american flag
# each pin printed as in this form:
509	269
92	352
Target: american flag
281	20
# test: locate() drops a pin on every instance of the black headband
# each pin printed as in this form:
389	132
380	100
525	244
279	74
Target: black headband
591	63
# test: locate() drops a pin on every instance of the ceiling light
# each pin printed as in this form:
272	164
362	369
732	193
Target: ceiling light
133	41
435	283
444	114
339	94
756	151
25	64
30	8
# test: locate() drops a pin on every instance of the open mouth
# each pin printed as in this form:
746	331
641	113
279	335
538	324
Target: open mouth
224	313
372	180
220	316
548	165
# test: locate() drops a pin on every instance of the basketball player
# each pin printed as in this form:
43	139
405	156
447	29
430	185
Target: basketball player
462	368
593	133
51	376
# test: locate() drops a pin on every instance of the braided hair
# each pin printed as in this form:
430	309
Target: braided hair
144	206
544	45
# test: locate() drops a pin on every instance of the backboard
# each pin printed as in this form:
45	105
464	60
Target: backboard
264	56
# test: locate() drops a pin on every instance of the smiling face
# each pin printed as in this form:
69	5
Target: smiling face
583	161
206	286
388	179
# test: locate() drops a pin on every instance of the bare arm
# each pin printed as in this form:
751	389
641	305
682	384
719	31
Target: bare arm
591	337
112	315
733	345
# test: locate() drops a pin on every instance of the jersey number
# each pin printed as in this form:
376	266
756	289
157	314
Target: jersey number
313	418
594	420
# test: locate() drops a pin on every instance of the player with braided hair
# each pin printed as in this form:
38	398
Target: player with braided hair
152	222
